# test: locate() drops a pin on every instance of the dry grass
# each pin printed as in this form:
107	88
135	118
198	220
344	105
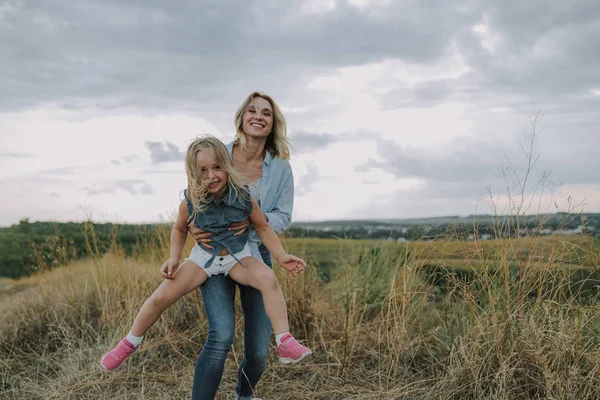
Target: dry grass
379	328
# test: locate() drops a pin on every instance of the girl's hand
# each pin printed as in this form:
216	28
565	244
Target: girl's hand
200	235
292	263
240	227
169	267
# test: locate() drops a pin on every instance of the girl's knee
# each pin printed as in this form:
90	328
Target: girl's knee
272	280
267	280
162	299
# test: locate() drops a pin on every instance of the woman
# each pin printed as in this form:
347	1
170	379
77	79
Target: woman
260	151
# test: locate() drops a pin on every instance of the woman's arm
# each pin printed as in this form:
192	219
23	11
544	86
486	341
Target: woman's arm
269	238
280	216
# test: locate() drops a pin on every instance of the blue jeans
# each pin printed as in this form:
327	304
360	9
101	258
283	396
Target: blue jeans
218	295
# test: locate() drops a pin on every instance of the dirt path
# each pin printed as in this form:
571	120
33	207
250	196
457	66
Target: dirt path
9	287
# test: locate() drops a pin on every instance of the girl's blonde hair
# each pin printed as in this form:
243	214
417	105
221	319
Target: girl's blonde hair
277	141
197	187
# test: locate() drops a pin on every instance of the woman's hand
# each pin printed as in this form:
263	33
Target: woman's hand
292	263
201	235
240	227
169	267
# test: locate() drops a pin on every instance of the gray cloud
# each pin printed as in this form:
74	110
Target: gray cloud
536	55
417	204
164	152
468	166
95	190
162	171
306	142
6	155
434	91
34	180
67	171
152	55
132	186
459	162
130	158
545	52
135	186
541	43
435	198
308	180
125	159
158	56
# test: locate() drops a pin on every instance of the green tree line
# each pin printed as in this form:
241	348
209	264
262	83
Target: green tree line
29	247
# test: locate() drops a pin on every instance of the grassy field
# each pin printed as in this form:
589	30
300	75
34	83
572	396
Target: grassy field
505	319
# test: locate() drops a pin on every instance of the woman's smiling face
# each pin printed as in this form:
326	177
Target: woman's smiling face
258	118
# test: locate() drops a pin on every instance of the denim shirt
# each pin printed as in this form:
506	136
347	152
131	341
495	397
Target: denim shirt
276	196
216	219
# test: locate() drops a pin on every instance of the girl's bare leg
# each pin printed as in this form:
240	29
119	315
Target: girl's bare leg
256	274
187	278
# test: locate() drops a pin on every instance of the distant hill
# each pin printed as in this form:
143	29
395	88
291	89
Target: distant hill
555	219
413	228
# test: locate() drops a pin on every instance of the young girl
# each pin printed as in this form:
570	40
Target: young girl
215	197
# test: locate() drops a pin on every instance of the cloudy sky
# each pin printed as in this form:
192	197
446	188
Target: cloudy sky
395	108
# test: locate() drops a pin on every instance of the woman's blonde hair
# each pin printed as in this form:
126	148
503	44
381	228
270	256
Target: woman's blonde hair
277	141
197	187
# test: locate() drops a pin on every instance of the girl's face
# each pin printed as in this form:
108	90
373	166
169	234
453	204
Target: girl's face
257	120
211	172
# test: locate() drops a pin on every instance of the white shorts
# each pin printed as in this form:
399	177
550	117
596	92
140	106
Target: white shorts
221	265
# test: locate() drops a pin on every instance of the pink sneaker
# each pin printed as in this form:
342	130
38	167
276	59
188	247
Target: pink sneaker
290	351
114	358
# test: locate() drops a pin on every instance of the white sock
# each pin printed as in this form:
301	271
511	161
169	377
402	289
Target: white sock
279	336
134	340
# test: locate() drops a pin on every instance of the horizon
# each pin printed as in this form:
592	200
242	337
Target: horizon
394	110
117	222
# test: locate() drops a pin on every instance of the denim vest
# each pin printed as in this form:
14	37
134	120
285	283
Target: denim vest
276	196
216	219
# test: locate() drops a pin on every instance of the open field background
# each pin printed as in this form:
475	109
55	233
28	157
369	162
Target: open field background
502	319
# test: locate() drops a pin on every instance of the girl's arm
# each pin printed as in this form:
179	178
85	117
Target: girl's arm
269	238
179	232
